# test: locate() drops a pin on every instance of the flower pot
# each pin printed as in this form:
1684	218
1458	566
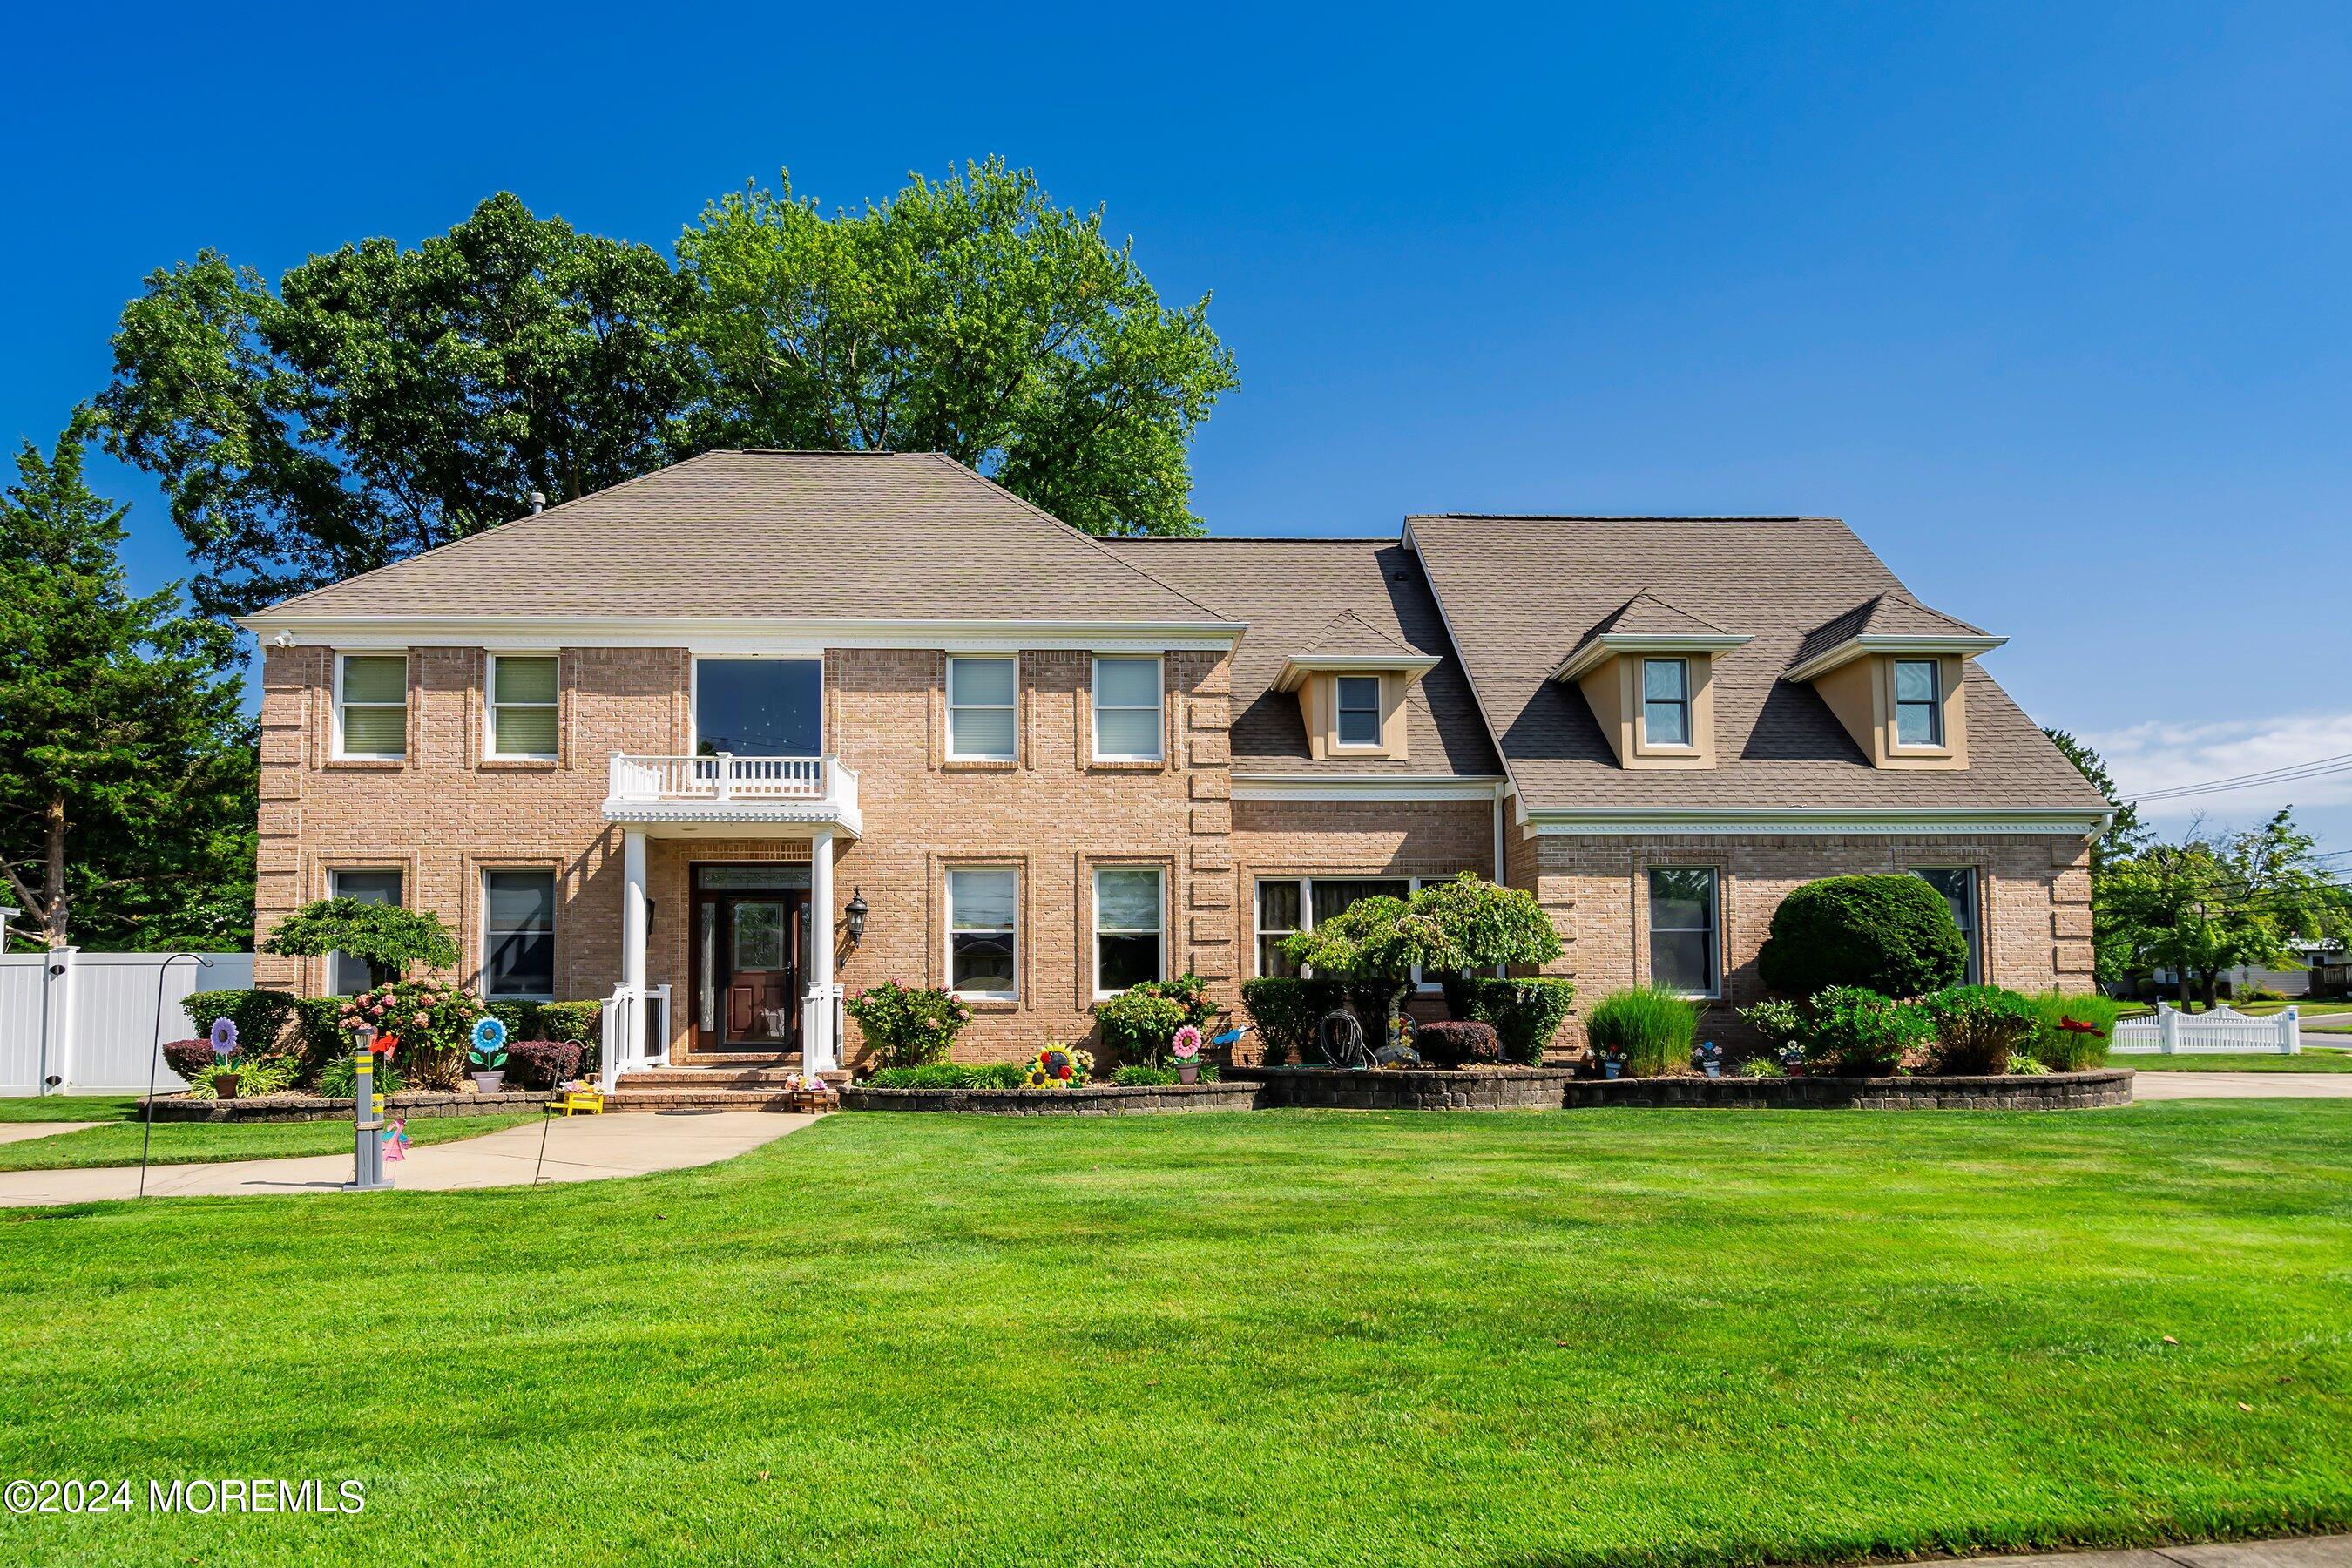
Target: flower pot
1188	1072
489	1082
1713	1069
1611	1069
224	1086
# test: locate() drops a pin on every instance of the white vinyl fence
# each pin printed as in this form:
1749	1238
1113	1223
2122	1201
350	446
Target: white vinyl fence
86	1023
2172	1031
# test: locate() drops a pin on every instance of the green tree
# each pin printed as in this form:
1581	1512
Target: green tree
385	937
2211	903
971	316
127	767
1479	928
381	401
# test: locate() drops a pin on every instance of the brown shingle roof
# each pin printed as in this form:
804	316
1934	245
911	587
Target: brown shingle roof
1519	590
1350	635
817	535
1895	614
1294	591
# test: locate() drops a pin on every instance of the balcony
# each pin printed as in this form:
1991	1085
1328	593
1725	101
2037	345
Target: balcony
725	793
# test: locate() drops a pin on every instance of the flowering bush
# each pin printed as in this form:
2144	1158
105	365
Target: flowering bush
907	1027
429	1021
1060	1067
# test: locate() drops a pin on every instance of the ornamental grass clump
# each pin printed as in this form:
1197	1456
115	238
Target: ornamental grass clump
1978	1028
1651	1029
2073	1033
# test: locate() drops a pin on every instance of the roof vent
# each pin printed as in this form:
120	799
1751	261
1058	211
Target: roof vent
537	503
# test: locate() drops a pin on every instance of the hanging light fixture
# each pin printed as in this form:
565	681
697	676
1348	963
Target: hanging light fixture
856	913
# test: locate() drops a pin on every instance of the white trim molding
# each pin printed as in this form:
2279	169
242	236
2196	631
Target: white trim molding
736	634
1299	666
1886	820
1368	786
1609	645
1846	652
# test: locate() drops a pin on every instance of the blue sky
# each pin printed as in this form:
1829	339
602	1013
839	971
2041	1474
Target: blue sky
2049	302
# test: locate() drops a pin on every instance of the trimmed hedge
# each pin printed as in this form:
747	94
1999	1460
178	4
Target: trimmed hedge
1892	933
1456	1041
260	1018
1526	1013
542	1063
951	1075
1285	1009
190	1059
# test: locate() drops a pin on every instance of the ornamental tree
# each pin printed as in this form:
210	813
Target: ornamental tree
384	937
1371	948
1478	928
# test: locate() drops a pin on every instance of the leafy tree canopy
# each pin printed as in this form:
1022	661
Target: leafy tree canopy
127	767
1481	926
385	937
2211	902
380	400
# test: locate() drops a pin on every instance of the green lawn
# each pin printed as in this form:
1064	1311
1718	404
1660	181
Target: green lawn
2310	1059
2250	1009
197	1142
1286	1337
69	1108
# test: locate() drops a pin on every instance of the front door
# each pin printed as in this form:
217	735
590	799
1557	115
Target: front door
748	968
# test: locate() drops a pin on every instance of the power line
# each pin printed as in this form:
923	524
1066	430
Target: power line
2319	767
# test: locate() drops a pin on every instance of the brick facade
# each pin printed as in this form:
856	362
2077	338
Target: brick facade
2033	903
443	815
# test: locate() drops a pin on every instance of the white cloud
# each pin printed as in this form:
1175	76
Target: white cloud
2158	755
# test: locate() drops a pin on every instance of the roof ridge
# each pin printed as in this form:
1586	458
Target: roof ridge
973	474
1620	517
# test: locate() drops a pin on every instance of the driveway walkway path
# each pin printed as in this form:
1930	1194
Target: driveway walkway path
2241	1085
2307	1552
18	1131
579	1149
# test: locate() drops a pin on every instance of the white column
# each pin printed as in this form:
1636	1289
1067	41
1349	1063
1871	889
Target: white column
634	921
817	1047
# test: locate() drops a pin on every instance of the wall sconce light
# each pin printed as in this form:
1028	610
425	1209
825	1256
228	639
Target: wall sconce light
857	913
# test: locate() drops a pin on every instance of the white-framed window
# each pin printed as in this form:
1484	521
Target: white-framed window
518	935
372	705
1918	702
1130	924
346	974
1127	710
981	697
1290	904
1665	701
984	932
1958	886
1682	925
521	701
1358	702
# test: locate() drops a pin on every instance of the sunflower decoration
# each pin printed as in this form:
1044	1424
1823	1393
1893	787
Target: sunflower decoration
1060	1067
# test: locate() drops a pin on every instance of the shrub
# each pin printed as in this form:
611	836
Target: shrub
938	1074
190	1059
2064	1049
432	1021
905	1026
542	1063
1651	1028
1285	1008
1142	1075
1775	1019
1526	1014
260	1018
1891	934
1457	1041
1978	1028
521	1019
1761	1066
579	1022
2026	1066
997	1074
318	1035
1856	1033
255	1077
1139	1022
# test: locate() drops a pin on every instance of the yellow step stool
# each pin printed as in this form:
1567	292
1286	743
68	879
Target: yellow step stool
577	1097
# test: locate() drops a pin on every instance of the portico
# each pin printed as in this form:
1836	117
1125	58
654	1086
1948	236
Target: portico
755	932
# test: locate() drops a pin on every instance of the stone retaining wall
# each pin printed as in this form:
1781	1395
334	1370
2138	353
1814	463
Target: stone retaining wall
1108	1100
1509	1088
314	1108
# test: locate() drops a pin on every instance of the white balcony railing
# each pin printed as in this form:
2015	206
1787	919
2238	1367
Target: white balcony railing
809	789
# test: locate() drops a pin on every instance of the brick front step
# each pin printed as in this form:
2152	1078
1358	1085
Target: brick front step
738	1062
713	1077
626	1098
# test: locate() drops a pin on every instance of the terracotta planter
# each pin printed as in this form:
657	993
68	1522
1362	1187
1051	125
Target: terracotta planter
1188	1072
224	1086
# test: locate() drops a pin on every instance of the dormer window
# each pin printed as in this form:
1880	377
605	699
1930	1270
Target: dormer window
1665	701
1918	702
1360	709
1893	673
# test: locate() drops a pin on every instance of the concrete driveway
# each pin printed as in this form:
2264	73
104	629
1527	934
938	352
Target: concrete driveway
579	1149
2241	1085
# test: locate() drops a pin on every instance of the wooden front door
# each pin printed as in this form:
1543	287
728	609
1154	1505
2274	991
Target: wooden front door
747	969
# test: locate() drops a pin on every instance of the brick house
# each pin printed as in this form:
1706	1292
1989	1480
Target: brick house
671	743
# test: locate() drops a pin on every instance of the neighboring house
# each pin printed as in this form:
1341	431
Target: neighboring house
685	731
2323	968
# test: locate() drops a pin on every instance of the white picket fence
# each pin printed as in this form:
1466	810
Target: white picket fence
2223	1031
86	1023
